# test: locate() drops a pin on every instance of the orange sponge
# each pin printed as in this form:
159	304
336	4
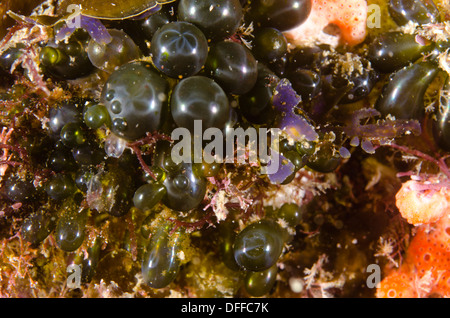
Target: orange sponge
426	268
349	16
397	285
419	205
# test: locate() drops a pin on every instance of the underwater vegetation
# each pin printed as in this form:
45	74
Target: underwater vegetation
90	97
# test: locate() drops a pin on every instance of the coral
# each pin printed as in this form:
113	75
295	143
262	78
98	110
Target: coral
348	16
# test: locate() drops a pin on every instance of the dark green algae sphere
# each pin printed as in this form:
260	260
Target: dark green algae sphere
179	49
161	265
199	98
259	245
135	96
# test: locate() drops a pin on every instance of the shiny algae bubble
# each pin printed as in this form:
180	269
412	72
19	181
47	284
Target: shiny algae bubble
259	245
